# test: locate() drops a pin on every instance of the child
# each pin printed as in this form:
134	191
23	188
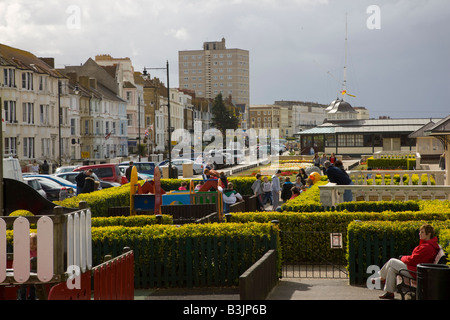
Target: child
198	186
295	192
298	182
223	178
267	188
33	256
183	186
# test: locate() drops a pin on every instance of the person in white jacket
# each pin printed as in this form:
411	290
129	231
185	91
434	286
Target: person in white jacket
276	190
230	196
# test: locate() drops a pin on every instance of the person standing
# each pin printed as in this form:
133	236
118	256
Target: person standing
257	188
35	168
267	188
45	167
128	171
80	179
276	190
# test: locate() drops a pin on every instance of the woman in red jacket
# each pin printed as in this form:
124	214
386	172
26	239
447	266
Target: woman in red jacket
425	252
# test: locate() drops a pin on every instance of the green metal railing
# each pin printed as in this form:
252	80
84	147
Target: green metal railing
368	250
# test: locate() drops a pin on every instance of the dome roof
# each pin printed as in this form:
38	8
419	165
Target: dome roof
340	106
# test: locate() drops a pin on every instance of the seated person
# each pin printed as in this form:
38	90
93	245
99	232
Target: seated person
230	196
425	252
183	186
198	186
295	192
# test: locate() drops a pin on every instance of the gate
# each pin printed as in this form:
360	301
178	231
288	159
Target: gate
314	254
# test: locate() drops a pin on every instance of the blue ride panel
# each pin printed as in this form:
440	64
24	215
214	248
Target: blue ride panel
176	198
144	202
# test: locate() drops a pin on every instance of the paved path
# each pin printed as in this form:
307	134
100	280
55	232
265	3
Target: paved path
286	289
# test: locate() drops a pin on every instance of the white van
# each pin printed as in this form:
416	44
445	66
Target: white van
12	169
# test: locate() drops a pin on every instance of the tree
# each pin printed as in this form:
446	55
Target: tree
222	117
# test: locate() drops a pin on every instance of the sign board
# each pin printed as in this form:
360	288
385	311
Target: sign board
336	240
85	155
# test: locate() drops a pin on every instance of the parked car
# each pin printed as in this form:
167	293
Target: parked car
70	176
36	185
107	171
55	191
58	180
178	163
141	167
141	176
237	155
218	159
65	169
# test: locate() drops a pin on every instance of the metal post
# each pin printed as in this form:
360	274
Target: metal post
139	126
1	153
59	122
169	124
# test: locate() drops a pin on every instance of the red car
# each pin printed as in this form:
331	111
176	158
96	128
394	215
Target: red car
107	171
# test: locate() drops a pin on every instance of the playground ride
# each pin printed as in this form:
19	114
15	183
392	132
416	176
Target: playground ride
149	197
63	267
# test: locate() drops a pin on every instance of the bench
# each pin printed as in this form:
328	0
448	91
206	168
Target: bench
406	279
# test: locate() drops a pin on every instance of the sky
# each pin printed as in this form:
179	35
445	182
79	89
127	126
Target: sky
397	56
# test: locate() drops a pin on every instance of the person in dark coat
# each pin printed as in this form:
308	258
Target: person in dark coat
340	177
128	171
45	168
89	185
80	179
286	190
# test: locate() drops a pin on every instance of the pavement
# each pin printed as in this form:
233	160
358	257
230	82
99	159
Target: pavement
286	289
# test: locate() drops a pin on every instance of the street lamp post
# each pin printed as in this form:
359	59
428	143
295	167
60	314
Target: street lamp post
59	122
168	114
139	126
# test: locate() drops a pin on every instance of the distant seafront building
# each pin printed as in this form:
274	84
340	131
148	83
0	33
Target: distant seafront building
345	133
31	104
214	70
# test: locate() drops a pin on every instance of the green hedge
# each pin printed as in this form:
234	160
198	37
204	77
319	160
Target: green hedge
315	228
396	180
375	242
190	255
391	162
130	221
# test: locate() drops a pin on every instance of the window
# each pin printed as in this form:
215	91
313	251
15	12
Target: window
42	83
10	111
28	112
43	114
72	127
330	141
86	127
27	80
28	148
129	119
9	78
45	146
10	148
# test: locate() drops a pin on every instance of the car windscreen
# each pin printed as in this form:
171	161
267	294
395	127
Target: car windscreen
104	172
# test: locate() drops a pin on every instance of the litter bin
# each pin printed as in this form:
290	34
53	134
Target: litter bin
188	170
174	173
433	282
